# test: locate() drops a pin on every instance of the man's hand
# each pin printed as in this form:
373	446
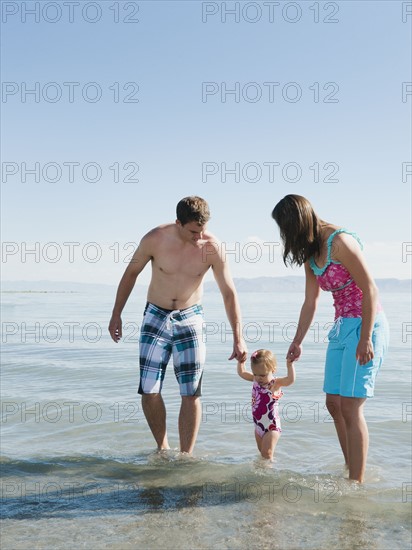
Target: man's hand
239	351
115	328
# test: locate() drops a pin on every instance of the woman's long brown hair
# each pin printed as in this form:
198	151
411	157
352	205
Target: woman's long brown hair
299	229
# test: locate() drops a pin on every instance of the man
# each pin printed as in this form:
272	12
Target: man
181	253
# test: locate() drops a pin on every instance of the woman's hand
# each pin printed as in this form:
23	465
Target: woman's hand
294	352
364	351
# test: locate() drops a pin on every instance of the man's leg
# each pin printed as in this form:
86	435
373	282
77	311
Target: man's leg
155	412
189	354
189	422
155	349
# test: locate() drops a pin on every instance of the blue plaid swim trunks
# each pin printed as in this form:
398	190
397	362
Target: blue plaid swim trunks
165	332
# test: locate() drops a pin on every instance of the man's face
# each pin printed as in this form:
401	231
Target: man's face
191	231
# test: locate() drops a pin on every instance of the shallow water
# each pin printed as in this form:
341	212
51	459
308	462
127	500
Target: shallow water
77	457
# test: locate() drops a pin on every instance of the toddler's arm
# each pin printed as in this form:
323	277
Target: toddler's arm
286	380
243	373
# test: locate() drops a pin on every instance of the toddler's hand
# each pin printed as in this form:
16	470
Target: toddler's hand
294	352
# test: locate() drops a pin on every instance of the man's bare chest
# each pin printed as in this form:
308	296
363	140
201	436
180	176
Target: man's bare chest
185	263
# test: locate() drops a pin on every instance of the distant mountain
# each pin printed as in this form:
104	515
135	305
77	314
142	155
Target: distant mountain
394	285
257	284
297	284
52	286
264	284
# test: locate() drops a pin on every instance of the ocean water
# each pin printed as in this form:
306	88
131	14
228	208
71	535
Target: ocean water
78	463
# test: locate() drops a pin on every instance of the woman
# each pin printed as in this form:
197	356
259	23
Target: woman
359	338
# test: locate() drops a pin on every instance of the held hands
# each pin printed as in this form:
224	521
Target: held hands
115	328
364	351
239	351
294	352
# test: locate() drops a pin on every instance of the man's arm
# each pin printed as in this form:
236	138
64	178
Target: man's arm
140	258
227	288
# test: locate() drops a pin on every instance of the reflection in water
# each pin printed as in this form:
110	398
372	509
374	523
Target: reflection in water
176	502
155	498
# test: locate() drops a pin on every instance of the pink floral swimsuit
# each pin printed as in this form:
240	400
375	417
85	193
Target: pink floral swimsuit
265	409
334	277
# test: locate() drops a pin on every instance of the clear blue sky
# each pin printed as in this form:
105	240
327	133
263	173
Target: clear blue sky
350	114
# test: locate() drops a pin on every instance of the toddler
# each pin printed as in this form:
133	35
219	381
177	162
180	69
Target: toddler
266	392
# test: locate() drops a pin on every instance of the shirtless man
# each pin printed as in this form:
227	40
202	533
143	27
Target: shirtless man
181	253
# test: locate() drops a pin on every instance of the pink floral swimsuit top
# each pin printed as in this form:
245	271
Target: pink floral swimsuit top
265	409
335	278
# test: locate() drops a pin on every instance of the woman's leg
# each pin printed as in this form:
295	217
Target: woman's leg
333	404
357	436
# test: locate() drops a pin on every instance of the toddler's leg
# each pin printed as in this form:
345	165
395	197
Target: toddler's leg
258	441
268	444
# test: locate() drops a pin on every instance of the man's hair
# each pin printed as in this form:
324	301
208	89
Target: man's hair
193	209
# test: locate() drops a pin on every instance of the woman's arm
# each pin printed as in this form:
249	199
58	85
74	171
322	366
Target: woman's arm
243	373
347	252
307	313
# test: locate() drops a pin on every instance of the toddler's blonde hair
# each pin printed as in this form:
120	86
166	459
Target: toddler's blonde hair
264	357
